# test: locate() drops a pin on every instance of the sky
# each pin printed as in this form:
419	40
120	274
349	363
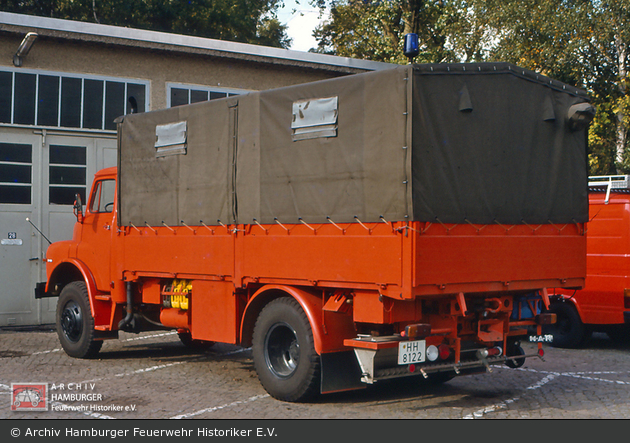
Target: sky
301	19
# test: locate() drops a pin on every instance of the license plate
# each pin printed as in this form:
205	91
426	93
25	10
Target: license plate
411	352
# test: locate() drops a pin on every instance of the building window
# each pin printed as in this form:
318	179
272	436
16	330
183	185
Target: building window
48	100
58	100
24	108
71	94
186	94
15	173
66	174
6	97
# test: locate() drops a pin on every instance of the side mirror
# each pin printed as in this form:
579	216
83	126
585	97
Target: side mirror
78	208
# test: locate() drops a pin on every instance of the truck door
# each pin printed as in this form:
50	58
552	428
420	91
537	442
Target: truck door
96	237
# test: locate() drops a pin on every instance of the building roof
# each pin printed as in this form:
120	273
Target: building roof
117	35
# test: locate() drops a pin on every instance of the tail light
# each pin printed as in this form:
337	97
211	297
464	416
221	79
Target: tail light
441	352
626	298
444	351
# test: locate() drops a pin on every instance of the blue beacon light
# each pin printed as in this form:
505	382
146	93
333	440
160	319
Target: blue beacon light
411	46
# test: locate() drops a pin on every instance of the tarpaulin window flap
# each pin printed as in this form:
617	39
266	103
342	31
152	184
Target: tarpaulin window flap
313	118
170	139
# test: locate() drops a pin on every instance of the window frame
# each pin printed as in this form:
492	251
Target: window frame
23	164
134	83
230	92
59	165
96	199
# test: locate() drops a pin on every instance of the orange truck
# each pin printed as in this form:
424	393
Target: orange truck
603	305
389	224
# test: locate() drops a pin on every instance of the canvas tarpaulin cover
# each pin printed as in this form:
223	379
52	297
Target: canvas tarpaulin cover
492	143
409	143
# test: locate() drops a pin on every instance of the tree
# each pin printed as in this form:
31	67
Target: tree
583	43
247	21
375	29
612	22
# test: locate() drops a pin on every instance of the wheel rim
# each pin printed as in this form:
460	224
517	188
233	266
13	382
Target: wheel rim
282	350
72	321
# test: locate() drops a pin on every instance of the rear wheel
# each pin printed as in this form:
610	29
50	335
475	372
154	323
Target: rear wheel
284	353
75	324
568	331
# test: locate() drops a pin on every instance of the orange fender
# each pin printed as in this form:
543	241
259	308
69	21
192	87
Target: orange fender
329	329
88	278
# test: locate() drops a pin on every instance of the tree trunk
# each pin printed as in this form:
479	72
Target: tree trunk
622	127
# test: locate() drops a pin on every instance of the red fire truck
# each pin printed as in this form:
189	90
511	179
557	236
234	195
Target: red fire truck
604	303
391	224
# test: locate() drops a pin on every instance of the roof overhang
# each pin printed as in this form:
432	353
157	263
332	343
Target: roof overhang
121	36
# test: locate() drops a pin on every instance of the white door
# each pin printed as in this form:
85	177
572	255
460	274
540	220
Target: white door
70	164
20	252
61	165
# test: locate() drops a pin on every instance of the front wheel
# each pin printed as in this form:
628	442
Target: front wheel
75	324
284	353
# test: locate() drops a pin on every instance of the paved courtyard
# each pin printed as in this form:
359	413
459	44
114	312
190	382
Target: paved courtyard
153	376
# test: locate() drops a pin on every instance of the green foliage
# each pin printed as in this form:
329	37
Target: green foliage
601	140
374	29
248	21
583	43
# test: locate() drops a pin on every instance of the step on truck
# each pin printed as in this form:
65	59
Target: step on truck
390	224
603	305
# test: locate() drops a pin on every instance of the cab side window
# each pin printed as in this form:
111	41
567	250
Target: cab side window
103	197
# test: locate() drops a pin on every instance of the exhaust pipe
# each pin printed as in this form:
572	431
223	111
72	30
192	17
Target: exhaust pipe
129	308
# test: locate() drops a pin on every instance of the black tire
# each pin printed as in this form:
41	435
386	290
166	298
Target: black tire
568	331
189	342
75	324
284	352
514	350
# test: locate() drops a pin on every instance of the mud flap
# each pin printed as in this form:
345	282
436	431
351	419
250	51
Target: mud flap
40	291
340	372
